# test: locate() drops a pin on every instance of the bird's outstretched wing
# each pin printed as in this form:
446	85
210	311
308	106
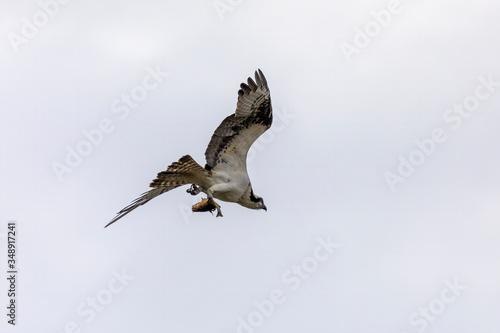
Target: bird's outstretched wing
230	142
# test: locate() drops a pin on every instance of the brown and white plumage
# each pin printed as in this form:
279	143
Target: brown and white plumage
225	174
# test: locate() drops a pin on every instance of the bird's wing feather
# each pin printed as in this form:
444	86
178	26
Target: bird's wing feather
145	197
231	141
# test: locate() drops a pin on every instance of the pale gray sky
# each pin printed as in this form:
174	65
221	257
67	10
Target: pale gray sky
380	172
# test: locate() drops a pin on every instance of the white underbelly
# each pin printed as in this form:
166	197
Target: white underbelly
231	186
230	196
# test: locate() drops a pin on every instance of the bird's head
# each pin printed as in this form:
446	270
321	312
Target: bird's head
261	204
253	201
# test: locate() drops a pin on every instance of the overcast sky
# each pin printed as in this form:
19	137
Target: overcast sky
380	173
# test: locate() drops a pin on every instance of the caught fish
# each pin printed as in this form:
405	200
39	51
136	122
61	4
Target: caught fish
207	205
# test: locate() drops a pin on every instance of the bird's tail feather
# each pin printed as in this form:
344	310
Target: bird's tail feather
185	171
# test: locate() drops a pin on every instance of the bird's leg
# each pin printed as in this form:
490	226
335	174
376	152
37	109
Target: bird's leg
211	200
210	193
193	190
217	206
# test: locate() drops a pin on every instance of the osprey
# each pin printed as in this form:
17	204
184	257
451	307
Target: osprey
224	176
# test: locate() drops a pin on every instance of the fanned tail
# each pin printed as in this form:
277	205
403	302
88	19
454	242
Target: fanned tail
183	172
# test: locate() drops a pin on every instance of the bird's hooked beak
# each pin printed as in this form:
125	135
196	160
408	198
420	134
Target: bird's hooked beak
264	207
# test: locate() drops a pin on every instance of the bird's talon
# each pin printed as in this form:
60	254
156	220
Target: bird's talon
193	190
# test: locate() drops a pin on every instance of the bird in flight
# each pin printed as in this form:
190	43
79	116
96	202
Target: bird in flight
224	176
